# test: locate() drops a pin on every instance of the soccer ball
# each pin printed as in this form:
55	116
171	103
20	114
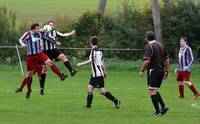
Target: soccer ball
47	29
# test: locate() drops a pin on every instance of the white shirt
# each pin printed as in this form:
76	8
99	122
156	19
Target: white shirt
97	62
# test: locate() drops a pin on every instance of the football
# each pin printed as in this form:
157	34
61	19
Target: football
47	29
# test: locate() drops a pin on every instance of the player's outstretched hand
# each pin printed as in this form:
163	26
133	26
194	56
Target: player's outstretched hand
78	65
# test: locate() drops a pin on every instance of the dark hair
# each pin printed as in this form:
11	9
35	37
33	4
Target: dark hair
94	40
50	21
184	38
150	35
33	26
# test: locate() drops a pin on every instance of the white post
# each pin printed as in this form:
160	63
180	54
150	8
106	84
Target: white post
20	61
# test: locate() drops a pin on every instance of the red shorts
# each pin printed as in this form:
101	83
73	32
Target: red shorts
32	61
183	76
39	70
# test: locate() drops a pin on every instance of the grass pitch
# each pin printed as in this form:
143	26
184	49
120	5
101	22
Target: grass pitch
63	101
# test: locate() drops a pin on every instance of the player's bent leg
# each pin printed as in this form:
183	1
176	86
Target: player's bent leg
89	96
64	59
23	83
181	89
193	89
55	69
109	96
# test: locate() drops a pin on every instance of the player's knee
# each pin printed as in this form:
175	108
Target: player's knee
30	74
44	70
152	91
49	63
62	57
102	91
180	83
187	83
89	89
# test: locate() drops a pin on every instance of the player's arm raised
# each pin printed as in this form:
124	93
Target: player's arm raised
66	34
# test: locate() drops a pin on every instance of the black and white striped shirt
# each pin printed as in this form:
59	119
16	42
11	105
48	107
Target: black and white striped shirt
97	62
52	35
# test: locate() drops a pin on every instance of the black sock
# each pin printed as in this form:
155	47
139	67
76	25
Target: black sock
42	80
68	65
154	99
89	98
109	96
160	100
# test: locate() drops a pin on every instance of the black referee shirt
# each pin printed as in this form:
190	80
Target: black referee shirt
156	53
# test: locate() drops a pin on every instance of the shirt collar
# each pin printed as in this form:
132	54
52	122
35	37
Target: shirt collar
184	46
153	41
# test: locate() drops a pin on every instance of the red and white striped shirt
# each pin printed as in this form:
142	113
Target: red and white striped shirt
32	41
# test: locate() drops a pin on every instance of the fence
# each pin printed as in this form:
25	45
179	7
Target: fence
8	54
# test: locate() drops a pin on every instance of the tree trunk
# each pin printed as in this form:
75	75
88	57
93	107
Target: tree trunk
156	20
102	6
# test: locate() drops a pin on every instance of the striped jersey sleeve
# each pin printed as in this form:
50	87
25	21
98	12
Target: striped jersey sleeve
24	37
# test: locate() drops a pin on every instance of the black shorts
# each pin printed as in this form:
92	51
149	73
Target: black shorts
97	82
53	54
154	78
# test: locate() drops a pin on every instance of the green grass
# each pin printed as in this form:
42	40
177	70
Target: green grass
63	101
46	9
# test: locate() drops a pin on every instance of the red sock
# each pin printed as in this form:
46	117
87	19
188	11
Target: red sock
29	83
192	87
56	70
181	90
23	84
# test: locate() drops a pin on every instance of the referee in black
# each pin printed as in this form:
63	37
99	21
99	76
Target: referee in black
156	61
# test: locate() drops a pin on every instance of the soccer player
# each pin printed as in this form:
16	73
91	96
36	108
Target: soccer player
156	61
53	53
184	67
98	74
31	40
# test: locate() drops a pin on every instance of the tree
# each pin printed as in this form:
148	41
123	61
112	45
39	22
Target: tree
156	20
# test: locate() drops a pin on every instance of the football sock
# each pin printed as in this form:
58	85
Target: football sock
192	87
181	90
68	65
160	100
109	96
89	98
29	83
154	99
42	80
56	70
23	84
